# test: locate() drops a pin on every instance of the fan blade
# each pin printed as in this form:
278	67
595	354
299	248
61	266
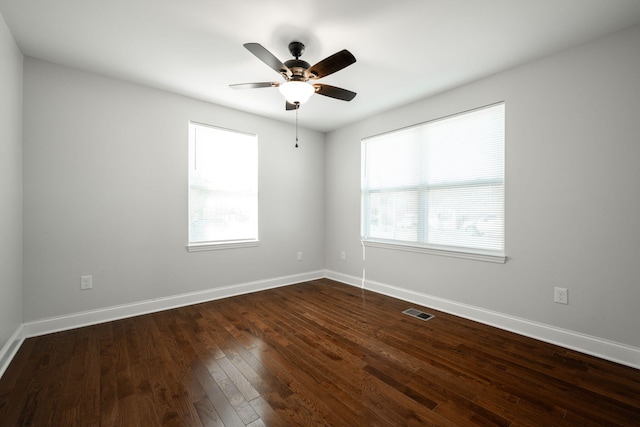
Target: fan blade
254	85
268	58
330	65
334	92
290	106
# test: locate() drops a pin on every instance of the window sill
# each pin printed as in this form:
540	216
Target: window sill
211	246
465	254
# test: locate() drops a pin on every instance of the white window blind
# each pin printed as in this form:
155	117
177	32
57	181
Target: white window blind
438	185
223	187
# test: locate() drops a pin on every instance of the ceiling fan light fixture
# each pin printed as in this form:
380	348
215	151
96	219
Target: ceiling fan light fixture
296	92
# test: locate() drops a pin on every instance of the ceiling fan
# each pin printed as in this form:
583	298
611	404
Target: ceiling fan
298	74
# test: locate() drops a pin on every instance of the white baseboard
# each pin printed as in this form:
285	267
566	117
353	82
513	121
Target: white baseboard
92	317
11	348
604	349
608	350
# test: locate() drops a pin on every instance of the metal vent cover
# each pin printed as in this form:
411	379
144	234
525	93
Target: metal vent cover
418	314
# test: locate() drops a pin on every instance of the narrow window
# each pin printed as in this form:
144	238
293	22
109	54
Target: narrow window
223	188
437	186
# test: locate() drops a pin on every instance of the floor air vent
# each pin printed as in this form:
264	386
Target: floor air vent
418	314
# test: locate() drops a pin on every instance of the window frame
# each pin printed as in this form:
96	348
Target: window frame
421	244
198	246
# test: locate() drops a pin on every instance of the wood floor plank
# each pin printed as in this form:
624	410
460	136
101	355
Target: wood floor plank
145	402
312	354
207	413
176	367
165	408
107	378
221	404
48	405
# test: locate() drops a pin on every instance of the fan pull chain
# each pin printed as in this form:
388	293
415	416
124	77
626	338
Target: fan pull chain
297	107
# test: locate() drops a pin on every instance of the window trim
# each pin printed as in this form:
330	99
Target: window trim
214	246
430	248
464	253
222	244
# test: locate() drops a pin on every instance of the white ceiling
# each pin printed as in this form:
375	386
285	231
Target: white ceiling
405	49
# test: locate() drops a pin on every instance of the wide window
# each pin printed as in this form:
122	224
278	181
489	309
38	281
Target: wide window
438	186
223	188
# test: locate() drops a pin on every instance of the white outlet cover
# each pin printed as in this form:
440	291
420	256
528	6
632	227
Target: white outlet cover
561	295
86	282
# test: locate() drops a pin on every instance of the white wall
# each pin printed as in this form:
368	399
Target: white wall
572	195
105	194
10	186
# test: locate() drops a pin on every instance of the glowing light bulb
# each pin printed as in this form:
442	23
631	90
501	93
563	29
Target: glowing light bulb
296	92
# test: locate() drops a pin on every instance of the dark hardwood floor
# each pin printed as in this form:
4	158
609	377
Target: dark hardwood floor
313	354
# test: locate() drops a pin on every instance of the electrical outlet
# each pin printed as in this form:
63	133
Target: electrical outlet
299	256
343	255
86	282
561	295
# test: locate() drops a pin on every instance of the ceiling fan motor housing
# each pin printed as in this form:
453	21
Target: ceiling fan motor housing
298	68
